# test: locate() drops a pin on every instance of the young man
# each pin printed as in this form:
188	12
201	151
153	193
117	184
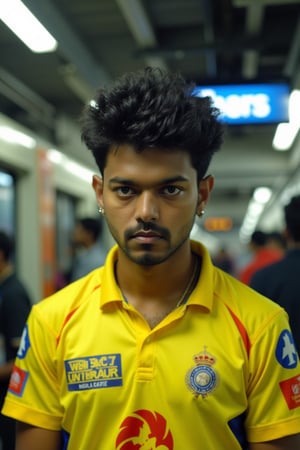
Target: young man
158	349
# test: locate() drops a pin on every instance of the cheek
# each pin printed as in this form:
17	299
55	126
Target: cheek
119	216
186	211
114	229
117	221
187	224
186	218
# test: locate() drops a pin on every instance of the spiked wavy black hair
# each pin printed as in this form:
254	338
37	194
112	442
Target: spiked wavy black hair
152	109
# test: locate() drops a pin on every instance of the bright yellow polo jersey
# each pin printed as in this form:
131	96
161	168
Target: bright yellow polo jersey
215	373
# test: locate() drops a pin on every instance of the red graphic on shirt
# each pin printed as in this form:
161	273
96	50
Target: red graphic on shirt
144	430
291	391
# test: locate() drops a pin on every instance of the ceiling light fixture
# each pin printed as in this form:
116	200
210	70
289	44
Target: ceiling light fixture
284	136
13	136
294	107
256	206
70	165
286	132
262	194
26	26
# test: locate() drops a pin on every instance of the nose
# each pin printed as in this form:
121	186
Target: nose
147	208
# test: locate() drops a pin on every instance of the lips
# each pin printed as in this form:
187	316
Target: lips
147	236
147	233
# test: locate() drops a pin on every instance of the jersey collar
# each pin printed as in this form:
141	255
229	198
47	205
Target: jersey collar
202	295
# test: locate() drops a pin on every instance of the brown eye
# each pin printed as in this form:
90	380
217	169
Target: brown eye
124	191
171	190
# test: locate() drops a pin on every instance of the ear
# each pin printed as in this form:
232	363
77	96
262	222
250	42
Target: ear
98	188
204	189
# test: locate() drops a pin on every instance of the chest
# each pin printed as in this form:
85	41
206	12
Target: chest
188	350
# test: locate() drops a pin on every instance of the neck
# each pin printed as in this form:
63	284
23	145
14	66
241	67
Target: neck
167	280
157	291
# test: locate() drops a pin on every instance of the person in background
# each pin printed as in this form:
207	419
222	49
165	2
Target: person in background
280	281
276	240
88	251
15	305
158	349
262	255
224	260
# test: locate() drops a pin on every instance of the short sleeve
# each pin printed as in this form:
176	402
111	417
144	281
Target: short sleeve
33	393
274	383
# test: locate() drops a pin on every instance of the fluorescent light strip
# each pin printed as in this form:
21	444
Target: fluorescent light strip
262	195
73	167
79	171
16	137
286	133
260	198
294	108
25	25
284	136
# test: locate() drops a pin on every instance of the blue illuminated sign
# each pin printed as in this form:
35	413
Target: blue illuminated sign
249	103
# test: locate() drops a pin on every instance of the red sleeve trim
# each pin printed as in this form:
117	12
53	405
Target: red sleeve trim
64	324
242	331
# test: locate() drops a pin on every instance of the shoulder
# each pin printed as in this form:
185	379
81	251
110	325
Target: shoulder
78	294
253	310
238	294
226	290
234	304
55	309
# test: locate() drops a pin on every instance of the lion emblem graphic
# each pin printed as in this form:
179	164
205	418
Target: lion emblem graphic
144	430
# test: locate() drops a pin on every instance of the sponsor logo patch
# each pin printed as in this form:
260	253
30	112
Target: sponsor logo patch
94	372
24	344
18	380
286	353
291	391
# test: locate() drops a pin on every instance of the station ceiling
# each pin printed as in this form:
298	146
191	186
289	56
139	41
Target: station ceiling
208	41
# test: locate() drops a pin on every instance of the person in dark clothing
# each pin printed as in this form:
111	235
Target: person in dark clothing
224	260
263	255
15	305
280	281
277	240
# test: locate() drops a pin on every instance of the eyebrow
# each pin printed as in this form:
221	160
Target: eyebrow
170	180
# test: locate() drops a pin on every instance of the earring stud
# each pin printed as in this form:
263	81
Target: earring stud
101	210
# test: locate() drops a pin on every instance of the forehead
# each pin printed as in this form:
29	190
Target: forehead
126	162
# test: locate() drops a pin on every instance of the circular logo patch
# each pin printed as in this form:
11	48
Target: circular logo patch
201	380
286	353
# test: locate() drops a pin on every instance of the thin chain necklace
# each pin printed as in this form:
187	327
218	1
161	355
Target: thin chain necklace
191	284
189	287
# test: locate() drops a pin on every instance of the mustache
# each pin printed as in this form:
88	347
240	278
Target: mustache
147	226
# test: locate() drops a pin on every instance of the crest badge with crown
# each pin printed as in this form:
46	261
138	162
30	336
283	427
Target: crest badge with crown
202	379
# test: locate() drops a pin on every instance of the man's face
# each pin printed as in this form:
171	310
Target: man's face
150	200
